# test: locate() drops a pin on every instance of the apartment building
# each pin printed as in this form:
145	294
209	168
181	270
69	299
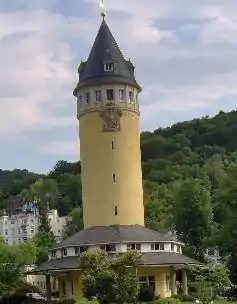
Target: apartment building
22	226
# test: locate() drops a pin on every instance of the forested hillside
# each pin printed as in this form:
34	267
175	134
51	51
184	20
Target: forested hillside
190	182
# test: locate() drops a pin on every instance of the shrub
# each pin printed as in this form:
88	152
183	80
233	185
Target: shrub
146	293
14	299
85	301
185	298
67	301
231	293
25	288
168	301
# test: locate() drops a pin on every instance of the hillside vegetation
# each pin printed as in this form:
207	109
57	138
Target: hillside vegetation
189	177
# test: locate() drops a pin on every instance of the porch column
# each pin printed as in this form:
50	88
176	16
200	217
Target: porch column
48	287
173	281
184	282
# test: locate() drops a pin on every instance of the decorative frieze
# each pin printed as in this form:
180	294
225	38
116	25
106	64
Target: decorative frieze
110	116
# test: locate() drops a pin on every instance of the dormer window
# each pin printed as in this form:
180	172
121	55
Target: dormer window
157	246
110	94
108	247
108	67
136	247
82	249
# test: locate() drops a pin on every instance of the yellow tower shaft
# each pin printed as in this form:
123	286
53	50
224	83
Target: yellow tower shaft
111	171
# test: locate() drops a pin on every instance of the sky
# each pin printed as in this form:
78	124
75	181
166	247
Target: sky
184	52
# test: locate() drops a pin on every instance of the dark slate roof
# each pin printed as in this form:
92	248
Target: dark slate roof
105	49
114	234
149	259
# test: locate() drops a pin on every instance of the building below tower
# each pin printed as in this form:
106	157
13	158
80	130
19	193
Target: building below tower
163	265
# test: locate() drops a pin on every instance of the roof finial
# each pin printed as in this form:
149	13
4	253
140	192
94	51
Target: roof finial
102	7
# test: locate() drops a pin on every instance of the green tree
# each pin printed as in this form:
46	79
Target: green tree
192	212
227	198
13	258
109	278
74	222
210	281
157	203
44	237
69	186
45	190
63	167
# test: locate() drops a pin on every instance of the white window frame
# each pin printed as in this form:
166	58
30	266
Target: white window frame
121	94
137	247
131	96
87	97
157	246
113	95
64	252
167	282
98	95
109	67
108	247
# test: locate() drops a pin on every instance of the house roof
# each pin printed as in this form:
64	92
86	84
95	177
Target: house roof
114	234
105	49
149	259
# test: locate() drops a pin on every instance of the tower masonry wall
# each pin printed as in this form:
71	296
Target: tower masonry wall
110	154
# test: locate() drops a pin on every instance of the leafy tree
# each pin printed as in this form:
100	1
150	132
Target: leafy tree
109	278
74	222
69	186
210	281
44	237
192	212
45	191
13	258
158	203
227	198
63	167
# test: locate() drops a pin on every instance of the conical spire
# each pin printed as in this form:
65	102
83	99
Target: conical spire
106	51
